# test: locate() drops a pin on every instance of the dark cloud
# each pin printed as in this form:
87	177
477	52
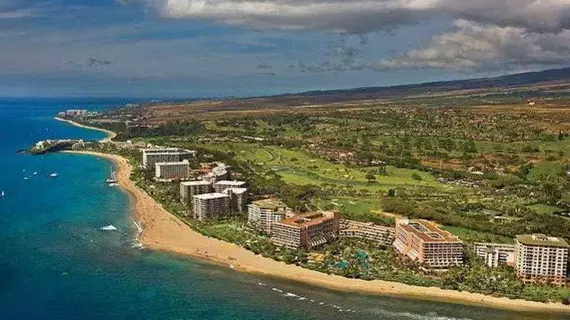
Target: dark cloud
92	62
89	63
262	66
344	54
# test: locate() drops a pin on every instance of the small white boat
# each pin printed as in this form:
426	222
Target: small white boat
53	175
35	172
108	228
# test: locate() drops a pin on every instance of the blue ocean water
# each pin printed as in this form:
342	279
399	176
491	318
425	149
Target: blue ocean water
55	263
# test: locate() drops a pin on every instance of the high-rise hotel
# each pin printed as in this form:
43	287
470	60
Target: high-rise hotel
152	156
306	230
425	242
264	213
540	258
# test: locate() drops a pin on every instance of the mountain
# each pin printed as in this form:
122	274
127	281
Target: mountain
508	81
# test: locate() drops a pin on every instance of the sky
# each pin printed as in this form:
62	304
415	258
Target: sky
220	48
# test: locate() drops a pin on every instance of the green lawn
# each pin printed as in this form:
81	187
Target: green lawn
301	168
360	209
543	208
469	235
546	171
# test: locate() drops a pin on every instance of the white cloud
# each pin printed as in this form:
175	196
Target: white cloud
361	16
357	16
483	47
488	33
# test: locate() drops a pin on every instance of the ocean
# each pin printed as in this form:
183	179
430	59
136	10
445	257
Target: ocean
56	263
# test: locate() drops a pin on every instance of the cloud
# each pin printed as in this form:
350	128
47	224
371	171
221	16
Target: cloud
262	66
16	14
362	16
90	63
486	47
487	33
535	15
354	16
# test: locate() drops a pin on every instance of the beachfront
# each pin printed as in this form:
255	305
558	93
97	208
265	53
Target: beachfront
164	231
108	138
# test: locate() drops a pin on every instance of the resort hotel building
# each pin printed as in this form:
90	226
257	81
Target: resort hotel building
423	241
222	185
153	156
495	254
367	231
172	170
188	189
210	206
306	230
541	259
238	198
264	213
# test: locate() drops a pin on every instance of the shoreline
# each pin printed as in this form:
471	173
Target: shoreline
162	230
110	134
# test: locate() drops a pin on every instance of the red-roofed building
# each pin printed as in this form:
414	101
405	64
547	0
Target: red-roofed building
425	242
306	230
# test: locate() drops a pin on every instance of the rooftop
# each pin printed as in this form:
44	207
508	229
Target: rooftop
208	196
159	150
236	190
172	163
167	151
427	230
231	182
359	225
271	204
196	183
539	239
309	219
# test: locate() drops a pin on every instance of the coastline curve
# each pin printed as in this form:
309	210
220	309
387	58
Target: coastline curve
110	134
162	230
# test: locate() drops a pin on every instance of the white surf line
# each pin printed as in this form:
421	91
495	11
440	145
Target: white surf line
139	228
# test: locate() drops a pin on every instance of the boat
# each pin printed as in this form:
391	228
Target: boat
112	180
108	228
53	175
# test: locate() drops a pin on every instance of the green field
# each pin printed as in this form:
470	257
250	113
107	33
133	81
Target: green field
469	235
360	209
301	168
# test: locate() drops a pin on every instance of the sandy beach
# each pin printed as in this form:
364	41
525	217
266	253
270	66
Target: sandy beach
110	134
164	231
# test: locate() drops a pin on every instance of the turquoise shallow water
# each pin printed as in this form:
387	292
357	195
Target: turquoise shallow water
55	263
